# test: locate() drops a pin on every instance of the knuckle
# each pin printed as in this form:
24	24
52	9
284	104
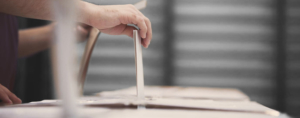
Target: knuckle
130	5
140	19
18	100
134	16
147	19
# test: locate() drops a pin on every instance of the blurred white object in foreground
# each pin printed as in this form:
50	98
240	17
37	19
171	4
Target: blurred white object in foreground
64	56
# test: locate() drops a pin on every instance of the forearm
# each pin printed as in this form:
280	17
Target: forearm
109	19
40	9
34	40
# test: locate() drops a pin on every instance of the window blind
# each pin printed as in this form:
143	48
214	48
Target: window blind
293	57
226	43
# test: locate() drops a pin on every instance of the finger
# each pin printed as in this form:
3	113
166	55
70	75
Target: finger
84	25
144	44
147	40
117	30
143	29
82	31
128	31
135	10
133	16
4	97
139	21
14	98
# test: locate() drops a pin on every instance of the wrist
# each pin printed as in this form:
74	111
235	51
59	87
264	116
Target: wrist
85	12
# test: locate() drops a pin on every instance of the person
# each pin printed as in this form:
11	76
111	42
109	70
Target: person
109	19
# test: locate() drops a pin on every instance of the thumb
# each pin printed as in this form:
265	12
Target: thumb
128	31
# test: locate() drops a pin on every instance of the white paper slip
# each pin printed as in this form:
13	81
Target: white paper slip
138	65
141	5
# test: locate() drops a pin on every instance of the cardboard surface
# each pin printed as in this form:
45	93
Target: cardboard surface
175	99
228	94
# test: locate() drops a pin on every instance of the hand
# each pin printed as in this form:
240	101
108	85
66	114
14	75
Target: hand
82	31
113	20
8	97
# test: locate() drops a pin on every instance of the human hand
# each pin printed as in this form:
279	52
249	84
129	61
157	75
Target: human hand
82	31
8	97
113	20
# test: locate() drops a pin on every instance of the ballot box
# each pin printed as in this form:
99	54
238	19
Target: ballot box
181	93
159	102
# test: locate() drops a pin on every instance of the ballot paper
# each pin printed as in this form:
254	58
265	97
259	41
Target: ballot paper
141	5
138	65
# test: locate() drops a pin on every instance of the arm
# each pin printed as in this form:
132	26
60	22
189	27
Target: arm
108	19
37	9
34	40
